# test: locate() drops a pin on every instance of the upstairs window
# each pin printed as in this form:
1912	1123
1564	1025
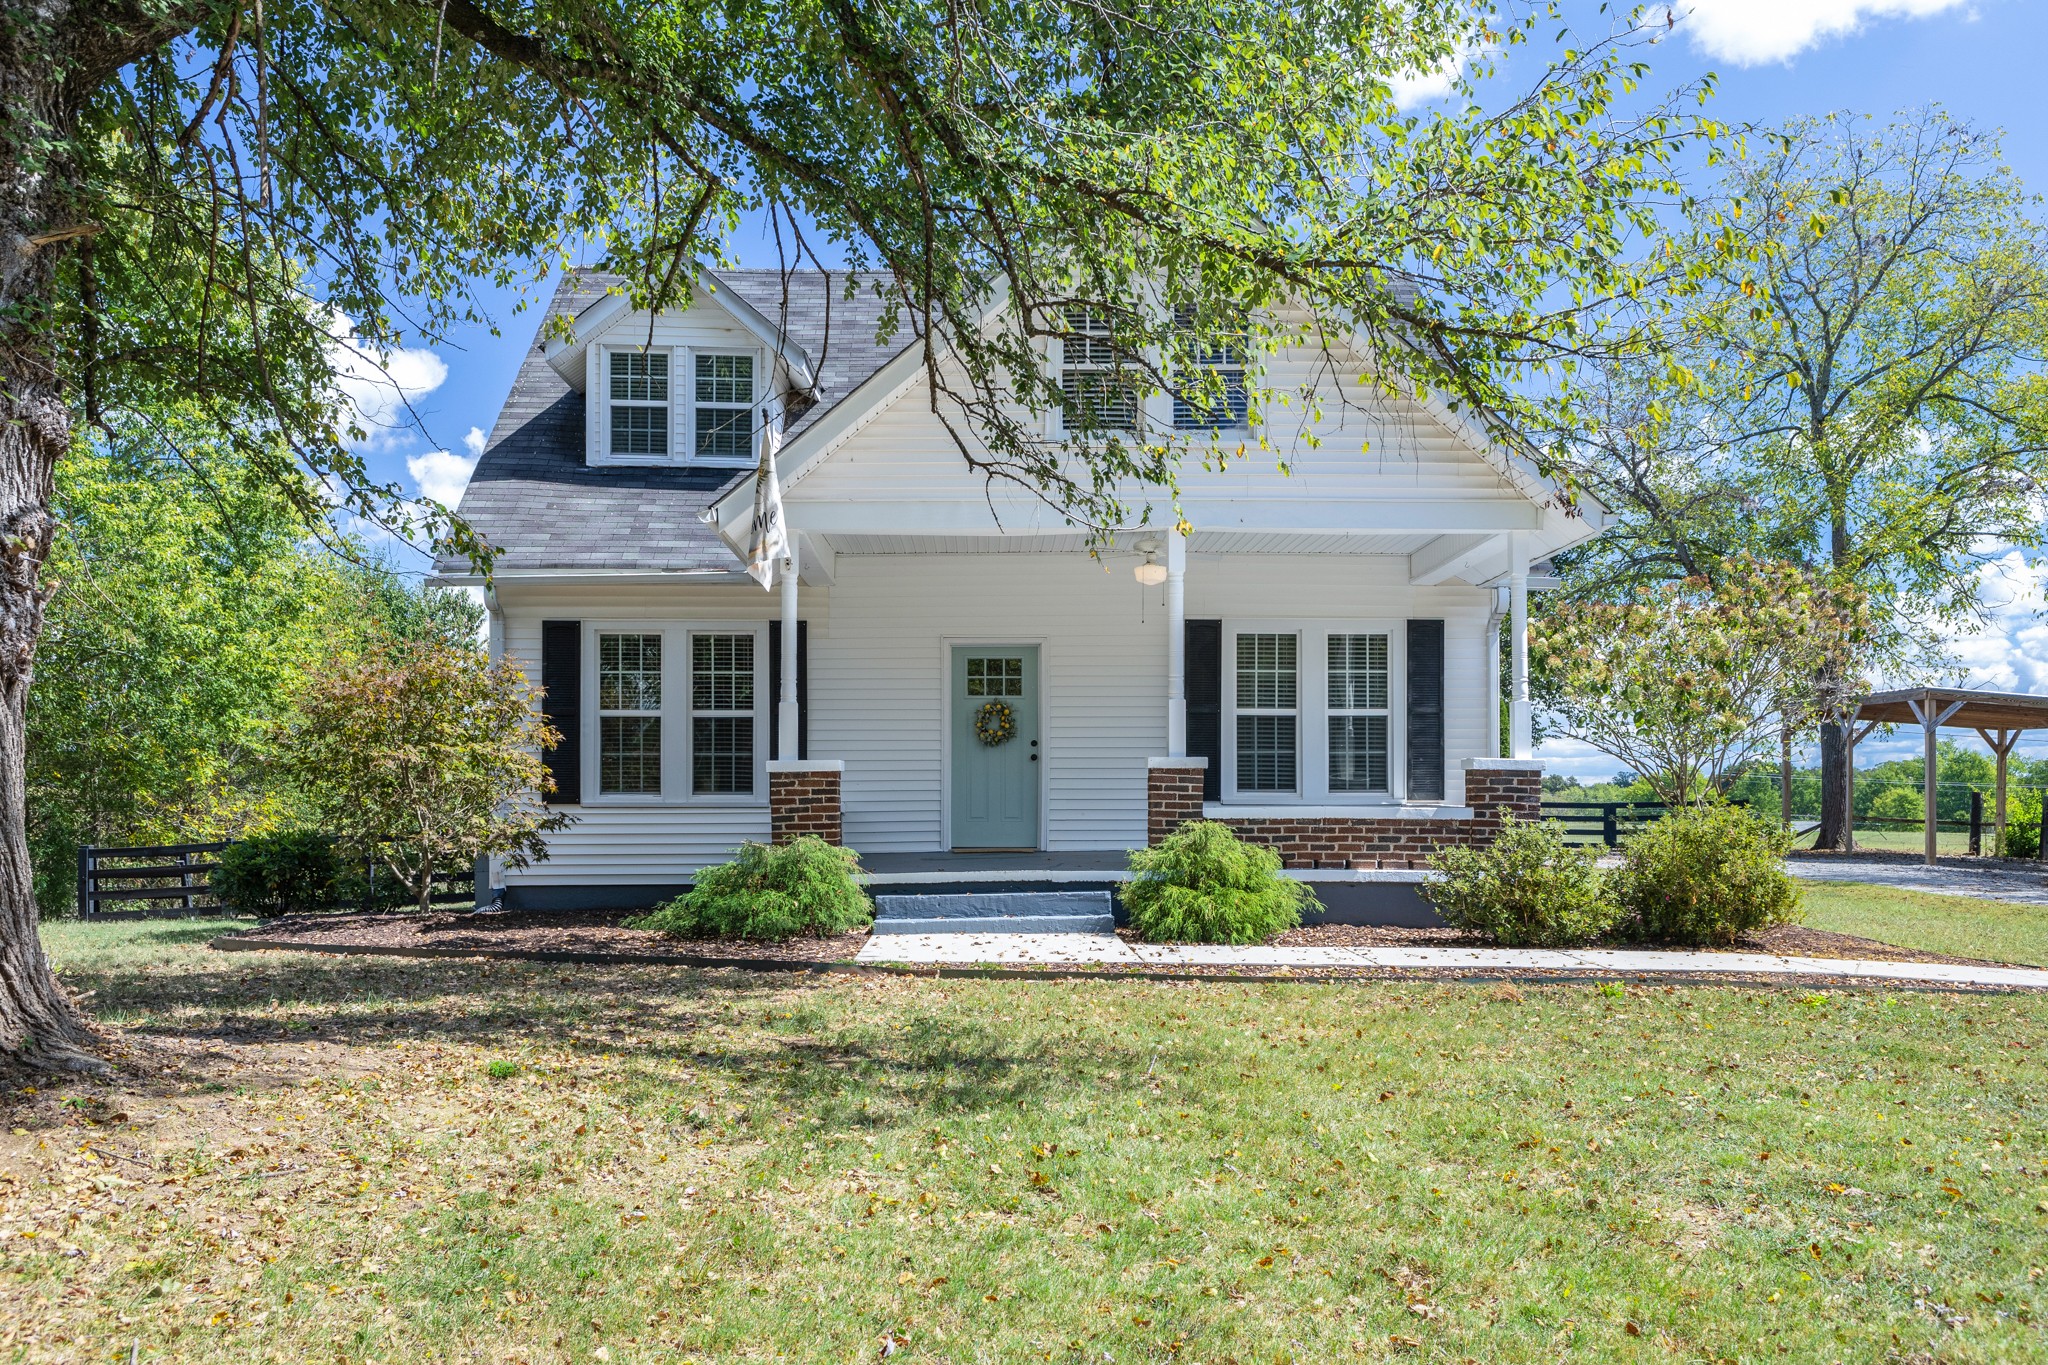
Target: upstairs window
1212	389
1268	713
725	407
639	396
1358	713
1096	391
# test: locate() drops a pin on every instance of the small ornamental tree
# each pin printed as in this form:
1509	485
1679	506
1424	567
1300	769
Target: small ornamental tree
425	759
1687	682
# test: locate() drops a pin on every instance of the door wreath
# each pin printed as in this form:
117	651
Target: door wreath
994	723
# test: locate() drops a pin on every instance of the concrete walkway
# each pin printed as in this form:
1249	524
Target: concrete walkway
1109	951
1983	878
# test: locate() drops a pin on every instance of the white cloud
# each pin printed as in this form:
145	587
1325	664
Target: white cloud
1751	32
474	441
380	384
1411	88
441	474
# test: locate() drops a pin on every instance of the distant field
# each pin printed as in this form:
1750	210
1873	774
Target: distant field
1954	926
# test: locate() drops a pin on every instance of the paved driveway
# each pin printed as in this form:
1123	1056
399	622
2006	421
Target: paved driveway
1988	879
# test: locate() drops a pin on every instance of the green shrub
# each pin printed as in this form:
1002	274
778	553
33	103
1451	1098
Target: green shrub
1706	875
1526	889
1203	884
290	873
2022	825
770	892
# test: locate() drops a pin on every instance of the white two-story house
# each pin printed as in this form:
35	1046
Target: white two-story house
948	681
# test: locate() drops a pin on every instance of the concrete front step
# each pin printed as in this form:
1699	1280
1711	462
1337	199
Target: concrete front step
1017	912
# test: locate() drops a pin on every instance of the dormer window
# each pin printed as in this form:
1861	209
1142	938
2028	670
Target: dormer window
725	407
639	398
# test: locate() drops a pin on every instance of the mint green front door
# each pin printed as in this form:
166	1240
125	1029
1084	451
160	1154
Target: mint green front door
995	784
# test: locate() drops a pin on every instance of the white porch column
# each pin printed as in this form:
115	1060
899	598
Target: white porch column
1494	619
1521	727
785	706
1176	646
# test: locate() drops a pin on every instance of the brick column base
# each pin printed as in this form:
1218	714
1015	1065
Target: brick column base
1493	783
1173	795
803	798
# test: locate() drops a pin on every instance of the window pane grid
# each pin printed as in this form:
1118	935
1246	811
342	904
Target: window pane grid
722	754
629	755
1266	753
722	673
995	677
725	379
639	430
725	433
1220	397
629	672
1358	672
722	714
638	378
1266	672
1358	754
1095	391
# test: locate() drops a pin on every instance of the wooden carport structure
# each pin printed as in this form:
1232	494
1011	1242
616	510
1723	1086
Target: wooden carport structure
1999	718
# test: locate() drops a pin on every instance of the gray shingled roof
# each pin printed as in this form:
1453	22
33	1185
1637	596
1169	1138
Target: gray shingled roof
535	500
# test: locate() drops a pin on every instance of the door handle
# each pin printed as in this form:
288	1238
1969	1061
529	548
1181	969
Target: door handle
1034	758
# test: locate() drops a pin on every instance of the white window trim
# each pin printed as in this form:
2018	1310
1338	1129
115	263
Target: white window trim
682	404
1143	414
1312	698
598	396
688	423
676	730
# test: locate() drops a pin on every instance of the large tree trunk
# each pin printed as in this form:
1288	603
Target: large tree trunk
1835	815
38	1023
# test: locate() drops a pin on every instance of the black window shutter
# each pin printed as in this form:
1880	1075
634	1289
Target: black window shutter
803	689
1202	676
1425	710
561	676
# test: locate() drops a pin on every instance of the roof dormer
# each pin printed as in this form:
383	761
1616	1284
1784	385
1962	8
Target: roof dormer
686	386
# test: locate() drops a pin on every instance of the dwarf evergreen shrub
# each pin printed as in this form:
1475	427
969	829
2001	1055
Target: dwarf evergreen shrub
1526	889
1203	884
770	892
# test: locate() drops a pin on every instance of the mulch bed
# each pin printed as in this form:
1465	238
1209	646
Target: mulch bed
602	934
598	932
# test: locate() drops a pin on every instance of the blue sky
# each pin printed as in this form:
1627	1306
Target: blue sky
1776	59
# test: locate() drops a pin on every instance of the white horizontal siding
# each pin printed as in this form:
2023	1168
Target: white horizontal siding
1352	448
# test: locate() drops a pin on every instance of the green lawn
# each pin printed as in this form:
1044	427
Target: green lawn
1956	926
376	1159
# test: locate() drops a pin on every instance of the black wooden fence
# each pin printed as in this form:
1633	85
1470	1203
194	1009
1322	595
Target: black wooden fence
1602	822
159	880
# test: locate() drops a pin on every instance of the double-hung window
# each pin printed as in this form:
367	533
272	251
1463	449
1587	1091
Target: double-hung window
1268	712
721	714
725	407
629	715
1210	392
639	399
1096	389
1358	714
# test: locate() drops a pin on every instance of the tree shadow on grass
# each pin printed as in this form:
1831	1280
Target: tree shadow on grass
256	1019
